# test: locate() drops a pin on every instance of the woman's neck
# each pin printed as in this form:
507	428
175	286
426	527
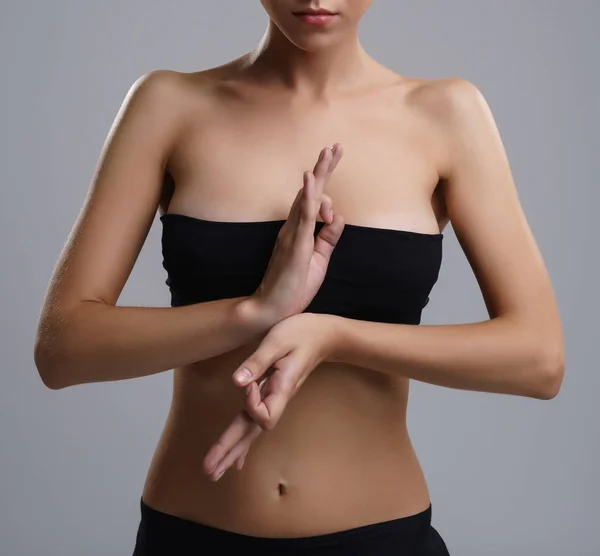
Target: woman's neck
319	73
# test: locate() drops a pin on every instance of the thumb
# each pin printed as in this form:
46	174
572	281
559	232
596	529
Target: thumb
255	366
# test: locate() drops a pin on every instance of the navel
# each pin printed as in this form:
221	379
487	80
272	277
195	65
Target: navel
282	488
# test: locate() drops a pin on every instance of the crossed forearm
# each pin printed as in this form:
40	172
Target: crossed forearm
497	355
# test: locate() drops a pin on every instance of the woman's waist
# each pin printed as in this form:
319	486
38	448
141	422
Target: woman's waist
287	492
339	454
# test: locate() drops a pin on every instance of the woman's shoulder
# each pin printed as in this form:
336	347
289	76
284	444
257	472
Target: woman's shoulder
180	88
158	93
196	89
443	96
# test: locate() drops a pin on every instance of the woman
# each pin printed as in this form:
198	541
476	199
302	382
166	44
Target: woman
312	281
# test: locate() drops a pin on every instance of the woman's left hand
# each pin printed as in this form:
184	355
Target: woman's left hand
271	375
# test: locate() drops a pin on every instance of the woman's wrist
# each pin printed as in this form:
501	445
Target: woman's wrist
258	316
255	314
332	337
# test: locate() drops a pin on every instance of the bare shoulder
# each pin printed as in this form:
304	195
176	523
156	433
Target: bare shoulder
158	80
183	90
175	90
446	97
156	90
448	107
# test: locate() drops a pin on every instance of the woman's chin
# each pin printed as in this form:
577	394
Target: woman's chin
313	42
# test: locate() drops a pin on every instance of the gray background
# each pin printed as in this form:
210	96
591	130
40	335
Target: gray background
507	475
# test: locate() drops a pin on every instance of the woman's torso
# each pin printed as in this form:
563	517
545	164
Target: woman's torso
341	455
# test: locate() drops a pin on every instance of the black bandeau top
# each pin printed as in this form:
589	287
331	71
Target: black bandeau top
374	274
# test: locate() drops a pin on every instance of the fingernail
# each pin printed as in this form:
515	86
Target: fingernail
243	375
330	214
220	474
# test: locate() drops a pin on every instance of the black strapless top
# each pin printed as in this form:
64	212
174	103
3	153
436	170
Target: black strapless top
374	274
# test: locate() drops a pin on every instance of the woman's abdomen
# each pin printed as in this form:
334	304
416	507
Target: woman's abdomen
340	456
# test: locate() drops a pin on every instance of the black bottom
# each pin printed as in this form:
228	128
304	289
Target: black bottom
161	534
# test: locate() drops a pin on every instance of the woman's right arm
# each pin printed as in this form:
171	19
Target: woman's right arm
82	336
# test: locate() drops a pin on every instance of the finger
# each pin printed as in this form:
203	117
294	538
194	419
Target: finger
232	435
326	209
266	408
321	169
259	363
239	463
253	397
328	160
325	167
323	161
259	412
338	152
239	450
308	207
328	237
294	213
253	368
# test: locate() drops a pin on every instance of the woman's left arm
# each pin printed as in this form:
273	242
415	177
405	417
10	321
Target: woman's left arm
520	349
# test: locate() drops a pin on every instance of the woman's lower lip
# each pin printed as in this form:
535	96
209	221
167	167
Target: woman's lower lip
314	19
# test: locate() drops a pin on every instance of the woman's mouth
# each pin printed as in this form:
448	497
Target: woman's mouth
316	17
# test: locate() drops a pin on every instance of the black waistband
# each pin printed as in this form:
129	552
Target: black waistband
159	529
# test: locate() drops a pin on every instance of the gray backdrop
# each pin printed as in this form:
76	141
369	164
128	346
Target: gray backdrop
507	475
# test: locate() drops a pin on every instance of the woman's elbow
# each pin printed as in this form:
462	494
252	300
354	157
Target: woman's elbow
51	363
47	371
550	372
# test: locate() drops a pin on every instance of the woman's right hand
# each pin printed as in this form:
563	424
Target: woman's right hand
299	261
